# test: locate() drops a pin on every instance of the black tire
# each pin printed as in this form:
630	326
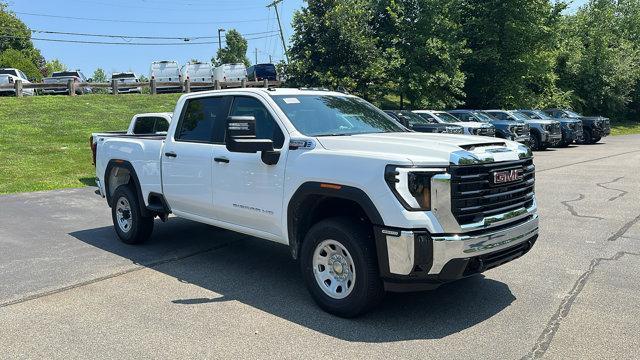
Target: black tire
564	144
596	139
141	227
357	238
536	143
587	137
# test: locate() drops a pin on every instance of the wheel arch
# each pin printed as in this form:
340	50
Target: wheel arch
121	172
314	201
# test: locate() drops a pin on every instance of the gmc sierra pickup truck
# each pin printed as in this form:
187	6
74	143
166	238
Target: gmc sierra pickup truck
364	205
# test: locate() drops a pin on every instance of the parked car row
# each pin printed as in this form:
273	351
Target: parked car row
539	129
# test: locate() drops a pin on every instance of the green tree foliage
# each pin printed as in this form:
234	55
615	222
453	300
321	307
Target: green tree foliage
54	66
235	50
18	37
11	58
425	37
334	45
512	58
99	76
600	61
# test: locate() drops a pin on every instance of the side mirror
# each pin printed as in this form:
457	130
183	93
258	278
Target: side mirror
241	138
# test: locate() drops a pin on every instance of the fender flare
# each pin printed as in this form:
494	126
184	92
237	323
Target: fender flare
326	190
117	163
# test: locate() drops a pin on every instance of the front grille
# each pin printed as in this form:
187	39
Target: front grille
519	130
474	197
488	131
555	129
606	125
579	127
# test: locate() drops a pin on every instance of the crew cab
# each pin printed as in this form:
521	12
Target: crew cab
470	127
543	133
9	76
571	128
63	77
416	122
594	128
363	204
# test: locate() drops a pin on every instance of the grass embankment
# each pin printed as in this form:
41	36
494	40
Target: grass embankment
44	140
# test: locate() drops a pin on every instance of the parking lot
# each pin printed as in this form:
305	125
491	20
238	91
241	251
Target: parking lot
70	289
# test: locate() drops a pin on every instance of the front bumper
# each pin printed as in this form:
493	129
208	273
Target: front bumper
415	260
551	139
601	131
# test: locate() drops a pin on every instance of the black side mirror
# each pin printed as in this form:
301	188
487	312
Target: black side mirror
241	138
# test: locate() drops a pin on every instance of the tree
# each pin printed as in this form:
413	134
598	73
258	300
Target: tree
54	66
334	46
99	76
19	39
600	61
11	58
512	57
235	50
425	38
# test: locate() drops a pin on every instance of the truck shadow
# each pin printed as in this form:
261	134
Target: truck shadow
262	274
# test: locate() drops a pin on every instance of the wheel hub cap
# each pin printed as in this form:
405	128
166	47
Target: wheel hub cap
333	269
123	214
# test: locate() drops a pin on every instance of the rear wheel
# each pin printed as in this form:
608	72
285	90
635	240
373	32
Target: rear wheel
130	225
339	265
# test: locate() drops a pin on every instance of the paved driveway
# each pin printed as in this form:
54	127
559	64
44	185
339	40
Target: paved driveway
68	289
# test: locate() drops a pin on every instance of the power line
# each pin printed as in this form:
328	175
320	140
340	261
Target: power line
184	38
217	7
140	21
122	43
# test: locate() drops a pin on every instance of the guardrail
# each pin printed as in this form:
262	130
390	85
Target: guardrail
71	87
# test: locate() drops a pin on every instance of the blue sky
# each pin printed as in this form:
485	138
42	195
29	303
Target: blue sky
204	16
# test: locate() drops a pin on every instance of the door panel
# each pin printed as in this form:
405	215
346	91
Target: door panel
247	191
187	159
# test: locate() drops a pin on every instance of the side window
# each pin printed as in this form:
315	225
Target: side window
203	120
266	127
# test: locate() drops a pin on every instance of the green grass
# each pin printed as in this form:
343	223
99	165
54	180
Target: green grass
44	140
625	128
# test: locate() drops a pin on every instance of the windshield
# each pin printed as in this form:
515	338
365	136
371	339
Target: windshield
520	116
330	115
483	117
414	119
540	115
8	72
446	117
572	114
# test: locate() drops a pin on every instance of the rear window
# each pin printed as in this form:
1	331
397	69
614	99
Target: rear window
203	120
65	73
8	72
150	125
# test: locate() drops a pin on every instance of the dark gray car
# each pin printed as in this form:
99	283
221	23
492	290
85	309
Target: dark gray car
594	128
571	128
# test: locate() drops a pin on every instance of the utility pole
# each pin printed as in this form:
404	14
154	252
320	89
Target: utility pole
270	61
256	63
284	45
220	39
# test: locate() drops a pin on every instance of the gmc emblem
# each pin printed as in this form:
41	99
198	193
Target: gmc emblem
508	176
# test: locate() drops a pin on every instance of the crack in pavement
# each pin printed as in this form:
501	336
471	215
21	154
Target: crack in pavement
618	234
546	337
622	192
573	211
150	265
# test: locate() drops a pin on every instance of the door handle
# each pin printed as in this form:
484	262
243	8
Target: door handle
170	154
221	160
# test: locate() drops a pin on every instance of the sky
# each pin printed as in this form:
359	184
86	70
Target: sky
198	18
158	18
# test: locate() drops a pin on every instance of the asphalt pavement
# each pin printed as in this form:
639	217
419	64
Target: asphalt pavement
69	289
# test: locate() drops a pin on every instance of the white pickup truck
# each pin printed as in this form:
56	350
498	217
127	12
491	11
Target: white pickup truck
365	205
9	76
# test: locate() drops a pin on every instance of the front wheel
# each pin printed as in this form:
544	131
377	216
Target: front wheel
339	265
131	226
536	143
587	137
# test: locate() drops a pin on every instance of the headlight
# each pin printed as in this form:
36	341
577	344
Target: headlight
411	186
547	127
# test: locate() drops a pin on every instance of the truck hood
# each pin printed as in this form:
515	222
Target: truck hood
428	149
542	122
